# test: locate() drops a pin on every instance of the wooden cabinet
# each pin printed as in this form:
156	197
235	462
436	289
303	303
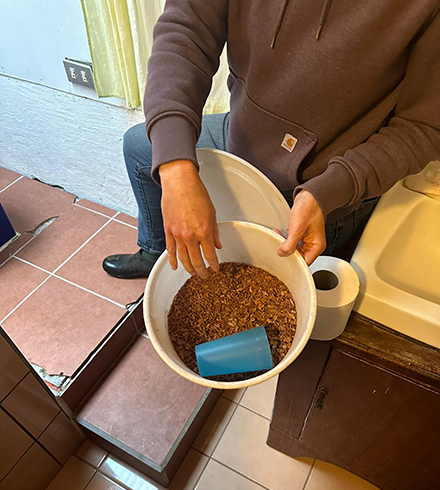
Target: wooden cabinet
368	402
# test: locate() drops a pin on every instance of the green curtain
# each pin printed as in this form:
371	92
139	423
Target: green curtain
111	47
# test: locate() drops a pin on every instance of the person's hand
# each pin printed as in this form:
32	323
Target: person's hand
306	228
189	218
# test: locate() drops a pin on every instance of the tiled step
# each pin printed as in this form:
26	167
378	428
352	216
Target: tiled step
101	360
72	321
145	414
58	305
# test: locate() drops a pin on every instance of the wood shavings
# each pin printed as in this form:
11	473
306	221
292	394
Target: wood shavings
236	298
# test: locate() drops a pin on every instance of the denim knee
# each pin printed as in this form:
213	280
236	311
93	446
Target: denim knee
136	148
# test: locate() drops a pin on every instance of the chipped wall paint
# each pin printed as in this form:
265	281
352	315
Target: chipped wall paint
67	140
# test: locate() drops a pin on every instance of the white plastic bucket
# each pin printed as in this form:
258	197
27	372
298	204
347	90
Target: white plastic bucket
242	242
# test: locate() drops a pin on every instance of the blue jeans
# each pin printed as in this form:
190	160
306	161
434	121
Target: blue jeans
138	158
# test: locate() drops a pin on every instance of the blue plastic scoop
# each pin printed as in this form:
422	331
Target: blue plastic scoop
238	353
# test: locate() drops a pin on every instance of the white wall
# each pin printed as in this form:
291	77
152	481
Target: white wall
36	36
42	130
66	140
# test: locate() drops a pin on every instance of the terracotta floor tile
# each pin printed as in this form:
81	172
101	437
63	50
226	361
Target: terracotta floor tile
125	218
59	240
159	402
7	177
85	268
96	207
29	203
14	246
60	324
110	349
17	280
92	453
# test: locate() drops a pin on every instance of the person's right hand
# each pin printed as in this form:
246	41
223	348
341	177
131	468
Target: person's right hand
189	218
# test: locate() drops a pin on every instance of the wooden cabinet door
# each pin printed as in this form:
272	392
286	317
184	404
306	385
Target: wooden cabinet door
296	389
376	424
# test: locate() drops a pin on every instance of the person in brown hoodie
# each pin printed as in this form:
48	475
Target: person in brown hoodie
334	100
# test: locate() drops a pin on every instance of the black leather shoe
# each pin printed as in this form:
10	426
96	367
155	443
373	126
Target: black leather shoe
127	266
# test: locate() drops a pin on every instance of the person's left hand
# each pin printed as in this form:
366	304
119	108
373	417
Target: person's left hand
306	228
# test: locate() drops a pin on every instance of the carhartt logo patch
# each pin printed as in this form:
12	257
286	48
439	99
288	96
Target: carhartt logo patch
289	142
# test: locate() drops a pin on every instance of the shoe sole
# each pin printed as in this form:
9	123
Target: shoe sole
132	276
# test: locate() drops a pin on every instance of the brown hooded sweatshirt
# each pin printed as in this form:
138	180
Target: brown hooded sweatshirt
341	97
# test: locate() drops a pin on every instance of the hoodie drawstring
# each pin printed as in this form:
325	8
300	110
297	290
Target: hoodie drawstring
322	21
279	22
324	16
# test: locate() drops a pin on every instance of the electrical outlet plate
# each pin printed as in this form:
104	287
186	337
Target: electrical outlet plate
79	72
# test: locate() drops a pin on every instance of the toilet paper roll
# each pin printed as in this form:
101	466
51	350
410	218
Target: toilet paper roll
337	287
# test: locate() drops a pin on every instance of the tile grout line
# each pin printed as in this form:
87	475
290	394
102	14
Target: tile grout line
85	243
94	210
34	442
52	274
89	291
309	475
12	183
16	252
87	463
105	216
24	245
126	224
33	265
241	397
92	391
211	457
12	389
253	411
90	480
202	472
241	474
23	300
223	432
109	218
81	458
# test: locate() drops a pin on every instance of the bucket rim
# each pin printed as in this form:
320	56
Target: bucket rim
231	385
